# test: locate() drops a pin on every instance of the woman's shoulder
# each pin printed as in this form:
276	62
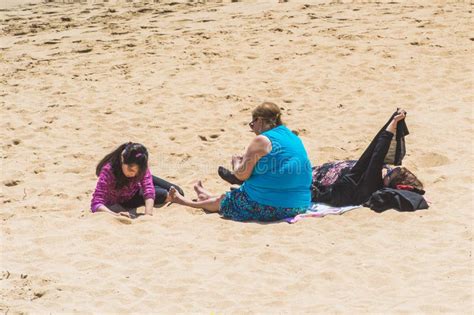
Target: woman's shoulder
261	140
260	143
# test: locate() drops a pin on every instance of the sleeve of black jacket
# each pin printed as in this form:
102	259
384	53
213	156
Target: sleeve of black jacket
402	132
402	200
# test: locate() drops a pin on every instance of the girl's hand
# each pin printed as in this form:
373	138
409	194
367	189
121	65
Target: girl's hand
125	214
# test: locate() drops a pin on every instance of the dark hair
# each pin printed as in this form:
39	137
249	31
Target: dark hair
269	112
132	153
402	176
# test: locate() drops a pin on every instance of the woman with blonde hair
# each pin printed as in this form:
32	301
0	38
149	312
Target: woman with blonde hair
275	171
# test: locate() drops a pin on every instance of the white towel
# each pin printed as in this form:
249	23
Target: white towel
319	210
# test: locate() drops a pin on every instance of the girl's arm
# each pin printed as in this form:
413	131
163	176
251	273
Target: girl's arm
102	188
258	148
149	203
148	192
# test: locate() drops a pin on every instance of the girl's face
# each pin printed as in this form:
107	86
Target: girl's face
130	170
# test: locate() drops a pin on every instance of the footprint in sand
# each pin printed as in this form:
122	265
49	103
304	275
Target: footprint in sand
82	49
433	160
212	136
11	182
50	120
123	220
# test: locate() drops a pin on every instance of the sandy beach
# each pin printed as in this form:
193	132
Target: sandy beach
77	80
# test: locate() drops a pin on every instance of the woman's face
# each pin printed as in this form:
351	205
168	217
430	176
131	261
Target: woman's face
130	170
256	125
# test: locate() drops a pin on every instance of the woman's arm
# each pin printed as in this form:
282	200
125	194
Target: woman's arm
258	148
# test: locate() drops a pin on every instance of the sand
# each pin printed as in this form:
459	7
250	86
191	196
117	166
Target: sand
7	4
79	79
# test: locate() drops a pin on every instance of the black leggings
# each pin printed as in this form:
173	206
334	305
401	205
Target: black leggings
366	175
161	192
364	178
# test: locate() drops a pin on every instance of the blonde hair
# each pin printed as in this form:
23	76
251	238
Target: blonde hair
269	112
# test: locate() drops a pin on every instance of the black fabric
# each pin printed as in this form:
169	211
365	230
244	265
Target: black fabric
389	198
228	176
400	148
402	131
365	177
161	192
338	194
367	173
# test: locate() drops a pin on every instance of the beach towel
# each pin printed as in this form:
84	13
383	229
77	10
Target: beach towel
319	210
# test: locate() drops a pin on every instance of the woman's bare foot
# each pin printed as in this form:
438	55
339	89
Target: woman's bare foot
211	204
201	193
392	127
173	195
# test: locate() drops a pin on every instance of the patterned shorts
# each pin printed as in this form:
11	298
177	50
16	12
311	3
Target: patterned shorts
237	206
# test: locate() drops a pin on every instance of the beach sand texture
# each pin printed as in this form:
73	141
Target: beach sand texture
79	79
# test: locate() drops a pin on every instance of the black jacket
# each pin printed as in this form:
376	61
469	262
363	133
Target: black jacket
400	149
403	200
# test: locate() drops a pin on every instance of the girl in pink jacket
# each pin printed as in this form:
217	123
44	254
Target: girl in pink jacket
124	179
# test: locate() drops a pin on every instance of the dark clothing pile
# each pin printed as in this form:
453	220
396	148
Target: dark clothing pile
389	198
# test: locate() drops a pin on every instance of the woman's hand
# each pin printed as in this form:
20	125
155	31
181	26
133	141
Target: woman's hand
236	161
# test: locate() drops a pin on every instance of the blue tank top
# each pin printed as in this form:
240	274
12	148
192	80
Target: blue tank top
282	178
